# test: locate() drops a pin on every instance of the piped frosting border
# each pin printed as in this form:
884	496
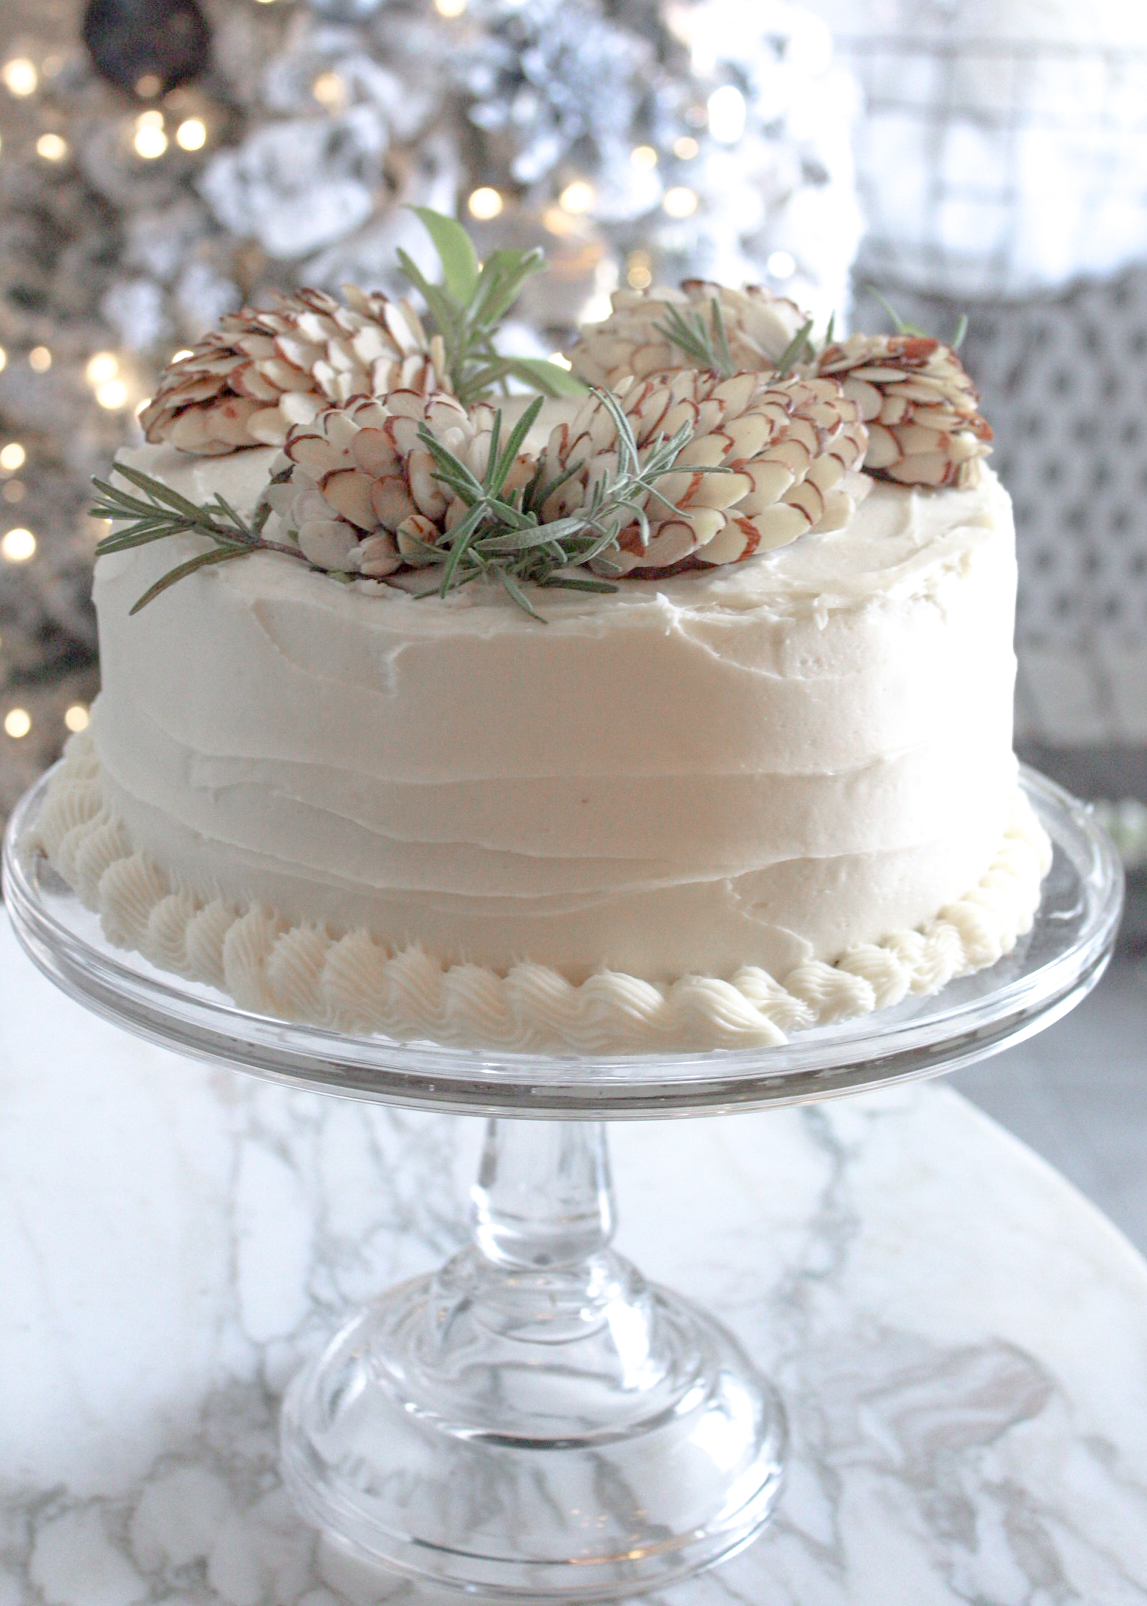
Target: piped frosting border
354	983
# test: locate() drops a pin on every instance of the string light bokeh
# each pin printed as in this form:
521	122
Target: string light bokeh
139	202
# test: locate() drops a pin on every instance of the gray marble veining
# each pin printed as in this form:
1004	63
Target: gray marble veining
961	1339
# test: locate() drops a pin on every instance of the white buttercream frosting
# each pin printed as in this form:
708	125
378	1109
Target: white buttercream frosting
356	984
734	775
755	765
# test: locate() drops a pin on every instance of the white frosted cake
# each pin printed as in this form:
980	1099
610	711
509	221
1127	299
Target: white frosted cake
736	793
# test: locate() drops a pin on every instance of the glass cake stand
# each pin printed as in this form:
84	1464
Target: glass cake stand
534	1420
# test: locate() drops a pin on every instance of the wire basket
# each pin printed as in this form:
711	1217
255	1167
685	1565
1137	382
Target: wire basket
995	169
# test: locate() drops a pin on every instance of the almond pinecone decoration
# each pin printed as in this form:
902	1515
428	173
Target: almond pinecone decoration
789	448
758	327
356	486
263	370
924	426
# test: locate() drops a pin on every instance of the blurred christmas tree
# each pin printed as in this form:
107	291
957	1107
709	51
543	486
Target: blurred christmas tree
167	160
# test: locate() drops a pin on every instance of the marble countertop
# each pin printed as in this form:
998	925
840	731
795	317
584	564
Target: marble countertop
960	1337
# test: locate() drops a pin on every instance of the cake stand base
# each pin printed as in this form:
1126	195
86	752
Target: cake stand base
535	1420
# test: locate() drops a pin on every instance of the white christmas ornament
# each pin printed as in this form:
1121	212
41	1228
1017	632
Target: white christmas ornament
299	184
777	183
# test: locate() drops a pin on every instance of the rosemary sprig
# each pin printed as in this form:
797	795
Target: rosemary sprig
503	535
159	512
468	306
707	345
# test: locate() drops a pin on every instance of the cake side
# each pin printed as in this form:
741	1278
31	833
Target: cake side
356	984
759	765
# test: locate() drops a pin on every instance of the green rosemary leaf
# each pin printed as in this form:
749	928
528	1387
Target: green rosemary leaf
411	272
524	540
490	480
117	515
146	515
903	328
137	525
688	337
112	500
510	513
473	385
462	486
451	469
707	347
898	323
263	510
598	547
459	260
229	514
218	555
791	355
519	596
569	583
721	340
538	492
445	314
123	541
500	283
591	508
461	536
548	377
434	591
489	290
829	330
572	534
159	492
627	455
653	495
514	443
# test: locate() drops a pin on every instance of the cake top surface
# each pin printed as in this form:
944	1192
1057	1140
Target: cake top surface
899	542
693	431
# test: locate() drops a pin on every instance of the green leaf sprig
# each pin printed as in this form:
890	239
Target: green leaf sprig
468	306
159	512
706	344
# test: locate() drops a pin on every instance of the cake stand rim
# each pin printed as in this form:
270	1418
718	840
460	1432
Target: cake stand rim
909	1042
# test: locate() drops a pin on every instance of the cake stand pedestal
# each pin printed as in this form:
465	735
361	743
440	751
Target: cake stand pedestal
534	1420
